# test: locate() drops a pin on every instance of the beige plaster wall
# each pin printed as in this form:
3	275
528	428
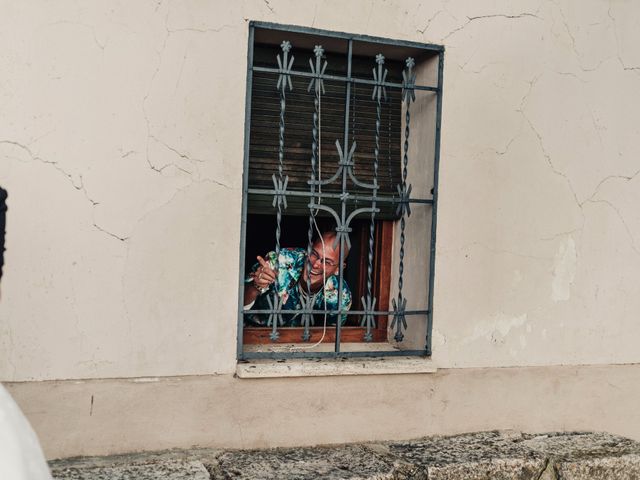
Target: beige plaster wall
114	416
121	143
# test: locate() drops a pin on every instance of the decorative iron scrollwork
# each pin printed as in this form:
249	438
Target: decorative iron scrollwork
280	187
379	76
306	305
275	317
409	81
399	317
318	70
404	195
368	318
349	162
284	67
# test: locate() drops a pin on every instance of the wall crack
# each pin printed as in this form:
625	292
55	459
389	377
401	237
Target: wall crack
429	22
266	2
626	226
113	235
484	17
618	53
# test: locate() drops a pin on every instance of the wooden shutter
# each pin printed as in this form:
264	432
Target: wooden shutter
298	137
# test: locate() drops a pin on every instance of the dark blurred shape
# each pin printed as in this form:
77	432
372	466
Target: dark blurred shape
3	221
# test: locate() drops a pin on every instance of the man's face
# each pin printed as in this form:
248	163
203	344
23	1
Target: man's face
322	262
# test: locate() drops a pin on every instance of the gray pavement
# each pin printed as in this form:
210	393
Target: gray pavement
477	456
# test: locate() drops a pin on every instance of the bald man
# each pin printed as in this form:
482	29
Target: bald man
322	268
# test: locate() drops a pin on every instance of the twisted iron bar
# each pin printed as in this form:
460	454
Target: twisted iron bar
408	95
280	183
354	118
318	86
389	140
379	91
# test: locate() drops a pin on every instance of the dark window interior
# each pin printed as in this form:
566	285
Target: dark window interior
260	240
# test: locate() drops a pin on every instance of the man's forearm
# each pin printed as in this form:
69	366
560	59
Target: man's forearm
250	294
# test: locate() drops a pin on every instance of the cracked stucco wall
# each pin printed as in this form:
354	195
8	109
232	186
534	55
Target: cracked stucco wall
121	141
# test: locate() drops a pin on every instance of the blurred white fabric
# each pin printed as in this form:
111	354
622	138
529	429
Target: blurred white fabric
21	456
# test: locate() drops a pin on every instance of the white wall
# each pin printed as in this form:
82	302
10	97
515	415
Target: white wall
121	144
538	229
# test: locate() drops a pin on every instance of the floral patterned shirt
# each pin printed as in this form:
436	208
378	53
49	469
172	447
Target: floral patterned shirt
289	273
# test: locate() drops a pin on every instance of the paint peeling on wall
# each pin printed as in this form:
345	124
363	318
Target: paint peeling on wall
564	270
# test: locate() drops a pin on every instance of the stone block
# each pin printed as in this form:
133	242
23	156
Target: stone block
589	456
625	467
155	470
475	456
343	463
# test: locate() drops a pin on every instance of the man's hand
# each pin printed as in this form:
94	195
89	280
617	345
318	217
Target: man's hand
264	275
262	278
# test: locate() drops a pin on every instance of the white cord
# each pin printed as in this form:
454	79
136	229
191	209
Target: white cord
324	295
313	216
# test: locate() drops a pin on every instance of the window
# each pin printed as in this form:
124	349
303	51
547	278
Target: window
342	135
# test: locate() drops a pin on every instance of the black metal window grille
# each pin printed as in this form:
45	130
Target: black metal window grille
349	190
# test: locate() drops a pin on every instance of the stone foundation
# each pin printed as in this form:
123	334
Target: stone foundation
476	456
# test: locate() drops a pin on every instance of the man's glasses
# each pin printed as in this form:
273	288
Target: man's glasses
314	256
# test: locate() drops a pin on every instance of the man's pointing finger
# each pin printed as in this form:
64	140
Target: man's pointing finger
266	266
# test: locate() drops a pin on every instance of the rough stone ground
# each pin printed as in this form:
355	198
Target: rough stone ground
477	456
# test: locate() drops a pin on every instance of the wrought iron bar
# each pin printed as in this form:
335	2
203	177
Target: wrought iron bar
434	210
245	184
339	196
335	312
408	95
280	182
318	87
354	118
369	302
357	354
346	36
339	78
389	140
344	230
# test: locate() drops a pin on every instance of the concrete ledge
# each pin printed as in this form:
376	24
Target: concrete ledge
324	368
478	456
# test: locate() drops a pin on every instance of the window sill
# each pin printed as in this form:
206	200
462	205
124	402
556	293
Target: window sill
335	367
